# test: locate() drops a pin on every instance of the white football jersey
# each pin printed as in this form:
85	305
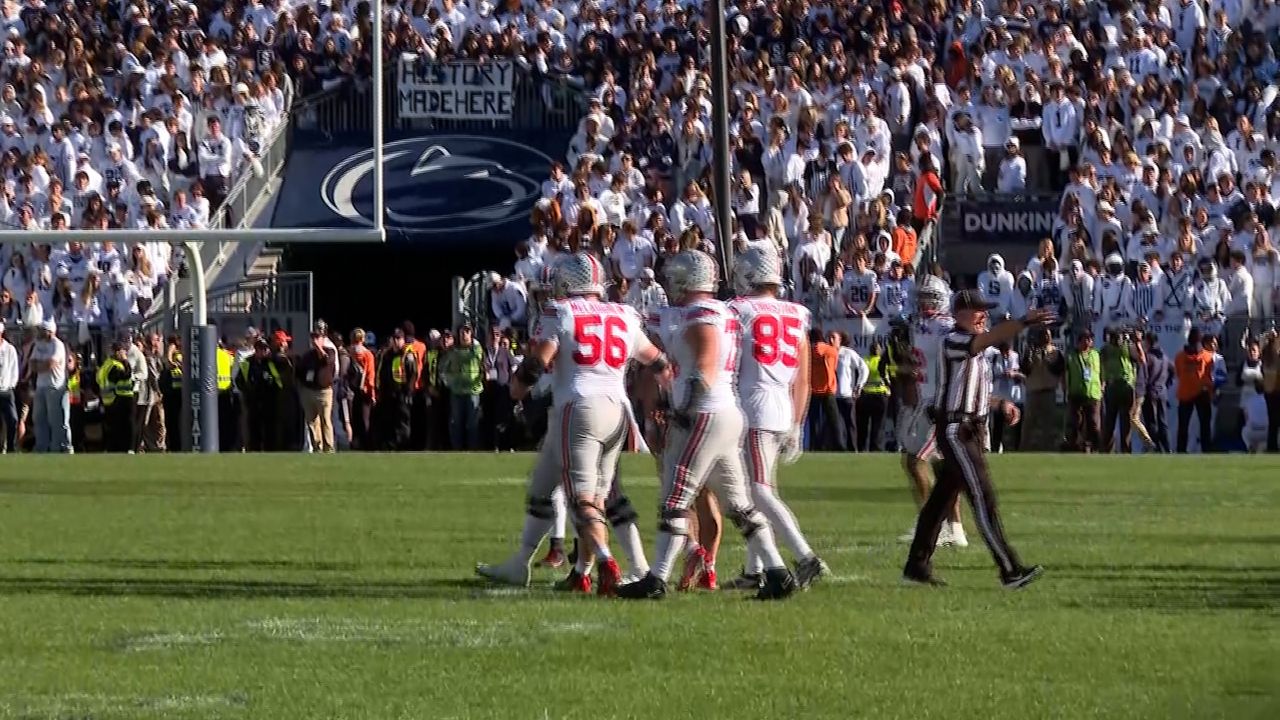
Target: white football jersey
769	357
595	340
859	287
893	297
661	324
721	396
927	334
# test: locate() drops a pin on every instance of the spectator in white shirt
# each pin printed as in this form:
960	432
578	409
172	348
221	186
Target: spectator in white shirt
52	411
8	381
633	252
1013	169
1240	285
615	200
509	301
183	216
645	295
215	163
851	374
557	185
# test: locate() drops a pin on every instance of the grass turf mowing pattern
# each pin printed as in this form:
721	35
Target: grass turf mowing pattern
297	586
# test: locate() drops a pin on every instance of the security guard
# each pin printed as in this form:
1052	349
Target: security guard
261	386
115	383
171	390
397	368
228	420
873	403
75	396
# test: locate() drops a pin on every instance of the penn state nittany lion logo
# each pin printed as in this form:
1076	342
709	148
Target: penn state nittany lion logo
441	183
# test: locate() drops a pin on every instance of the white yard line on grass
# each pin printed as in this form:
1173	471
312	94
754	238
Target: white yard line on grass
440	633
94	704
163	641
846	579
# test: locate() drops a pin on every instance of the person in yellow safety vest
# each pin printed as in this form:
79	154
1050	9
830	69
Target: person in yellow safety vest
115	384
397	368
228	412
890	375
261	385
171	391
76	400
874	401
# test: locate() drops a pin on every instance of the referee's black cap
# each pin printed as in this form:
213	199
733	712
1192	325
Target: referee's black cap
970	300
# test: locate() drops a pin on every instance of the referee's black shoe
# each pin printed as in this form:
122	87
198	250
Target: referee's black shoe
922	579
1022	577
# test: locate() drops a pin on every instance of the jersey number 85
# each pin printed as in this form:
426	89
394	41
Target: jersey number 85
776	339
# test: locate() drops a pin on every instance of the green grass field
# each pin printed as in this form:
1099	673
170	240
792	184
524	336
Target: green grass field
341	587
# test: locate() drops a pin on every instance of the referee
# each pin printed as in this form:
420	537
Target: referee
960	413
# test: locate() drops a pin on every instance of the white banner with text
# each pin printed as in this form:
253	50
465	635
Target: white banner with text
455	90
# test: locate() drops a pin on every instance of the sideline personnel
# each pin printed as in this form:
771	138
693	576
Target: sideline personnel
960	411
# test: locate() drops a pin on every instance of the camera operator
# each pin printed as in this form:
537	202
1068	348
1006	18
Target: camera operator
1120	359
1044	365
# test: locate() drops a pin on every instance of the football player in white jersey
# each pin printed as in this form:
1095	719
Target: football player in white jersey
916	353
590	342
704	443
702	541
773	389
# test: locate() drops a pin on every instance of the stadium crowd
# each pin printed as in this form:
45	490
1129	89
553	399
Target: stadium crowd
137	116
1155	123
850	123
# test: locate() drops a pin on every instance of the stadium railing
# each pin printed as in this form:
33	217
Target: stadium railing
252	189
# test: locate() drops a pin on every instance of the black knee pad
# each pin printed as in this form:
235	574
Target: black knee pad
541	507
620	511
665	524
746	520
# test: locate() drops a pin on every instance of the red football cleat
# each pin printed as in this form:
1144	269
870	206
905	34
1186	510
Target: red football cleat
554	558
608	578
707	581
574	583
694	566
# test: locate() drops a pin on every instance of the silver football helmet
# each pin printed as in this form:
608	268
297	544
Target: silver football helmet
690	271
932	296
755	267
579	274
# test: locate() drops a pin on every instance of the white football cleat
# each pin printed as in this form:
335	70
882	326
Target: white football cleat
944	535
958	538
512	572
908	536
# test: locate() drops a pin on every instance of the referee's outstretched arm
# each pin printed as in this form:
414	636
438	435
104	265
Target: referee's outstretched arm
1009	329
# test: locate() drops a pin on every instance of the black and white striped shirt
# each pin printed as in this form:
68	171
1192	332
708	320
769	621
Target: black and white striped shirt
966	377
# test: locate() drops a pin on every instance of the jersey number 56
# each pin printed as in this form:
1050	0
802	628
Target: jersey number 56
600	339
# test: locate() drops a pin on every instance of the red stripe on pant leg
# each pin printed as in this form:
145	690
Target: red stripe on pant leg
566	479
758	475
686	457
930	444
